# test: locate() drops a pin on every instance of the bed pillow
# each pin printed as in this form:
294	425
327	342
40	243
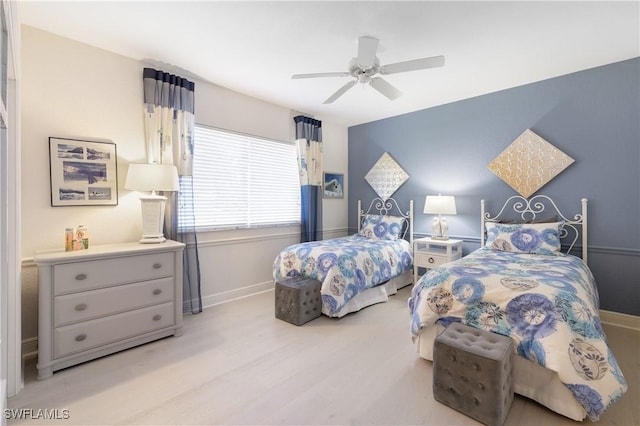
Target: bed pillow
533	238
381	227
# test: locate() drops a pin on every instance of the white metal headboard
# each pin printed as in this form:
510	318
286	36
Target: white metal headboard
389	206
572	230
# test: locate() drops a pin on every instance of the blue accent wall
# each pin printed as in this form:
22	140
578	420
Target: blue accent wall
592	115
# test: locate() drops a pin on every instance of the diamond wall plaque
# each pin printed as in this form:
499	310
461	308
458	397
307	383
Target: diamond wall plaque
386	176
529	163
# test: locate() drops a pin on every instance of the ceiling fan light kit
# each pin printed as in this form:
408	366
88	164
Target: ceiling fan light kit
366	65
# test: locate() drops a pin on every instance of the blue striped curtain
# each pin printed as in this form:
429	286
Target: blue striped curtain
169	107
309	145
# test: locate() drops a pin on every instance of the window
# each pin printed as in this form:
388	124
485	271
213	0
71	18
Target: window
242	181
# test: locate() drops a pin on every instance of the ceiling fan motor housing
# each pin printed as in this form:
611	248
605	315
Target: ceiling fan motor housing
363	74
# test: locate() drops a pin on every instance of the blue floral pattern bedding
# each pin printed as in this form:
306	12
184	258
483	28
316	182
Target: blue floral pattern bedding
548	304
345	266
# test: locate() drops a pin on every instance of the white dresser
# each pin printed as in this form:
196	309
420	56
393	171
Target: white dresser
105	299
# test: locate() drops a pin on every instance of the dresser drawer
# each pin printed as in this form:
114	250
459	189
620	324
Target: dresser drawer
90	334
86	305
427	260
88	275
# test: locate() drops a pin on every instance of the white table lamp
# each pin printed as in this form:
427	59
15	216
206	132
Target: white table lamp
439	204
152	177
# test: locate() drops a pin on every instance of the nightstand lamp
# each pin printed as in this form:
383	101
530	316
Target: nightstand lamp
439	204
152	177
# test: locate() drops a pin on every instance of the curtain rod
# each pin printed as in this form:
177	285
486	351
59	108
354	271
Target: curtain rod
296	112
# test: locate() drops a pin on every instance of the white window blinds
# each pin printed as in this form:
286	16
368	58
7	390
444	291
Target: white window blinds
242	181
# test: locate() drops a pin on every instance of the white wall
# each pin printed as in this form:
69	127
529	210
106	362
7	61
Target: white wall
72	90
335	212
77	91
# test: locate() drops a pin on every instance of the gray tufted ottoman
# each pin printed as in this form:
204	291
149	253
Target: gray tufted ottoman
298	300
472	372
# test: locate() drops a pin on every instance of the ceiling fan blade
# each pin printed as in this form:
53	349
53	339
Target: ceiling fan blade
385	88
367	48
416	64
340	92
321	74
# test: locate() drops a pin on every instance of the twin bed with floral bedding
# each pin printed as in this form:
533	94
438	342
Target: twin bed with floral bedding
520	285
361	269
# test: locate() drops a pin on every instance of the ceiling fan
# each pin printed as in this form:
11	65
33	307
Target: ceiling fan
366	65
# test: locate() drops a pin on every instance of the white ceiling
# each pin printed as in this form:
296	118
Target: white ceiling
255	47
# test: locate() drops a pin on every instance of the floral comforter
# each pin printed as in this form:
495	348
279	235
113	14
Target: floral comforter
345	266
548	304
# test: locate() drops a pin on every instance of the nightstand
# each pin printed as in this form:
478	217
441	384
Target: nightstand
429	253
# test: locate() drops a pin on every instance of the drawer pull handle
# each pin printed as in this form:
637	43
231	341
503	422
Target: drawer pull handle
80	337
157	317
157	291
81	277
157	265
81	307
431	260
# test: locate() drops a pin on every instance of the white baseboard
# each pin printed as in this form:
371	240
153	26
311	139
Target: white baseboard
235	294
620	320
30	345
606	317
30	348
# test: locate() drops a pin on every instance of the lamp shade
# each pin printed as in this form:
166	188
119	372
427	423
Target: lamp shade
440	204
152	177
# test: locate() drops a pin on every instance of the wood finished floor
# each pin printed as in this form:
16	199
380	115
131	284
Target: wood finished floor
236	364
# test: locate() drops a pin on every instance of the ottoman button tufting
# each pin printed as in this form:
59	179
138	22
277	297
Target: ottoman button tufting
297	300
481	387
